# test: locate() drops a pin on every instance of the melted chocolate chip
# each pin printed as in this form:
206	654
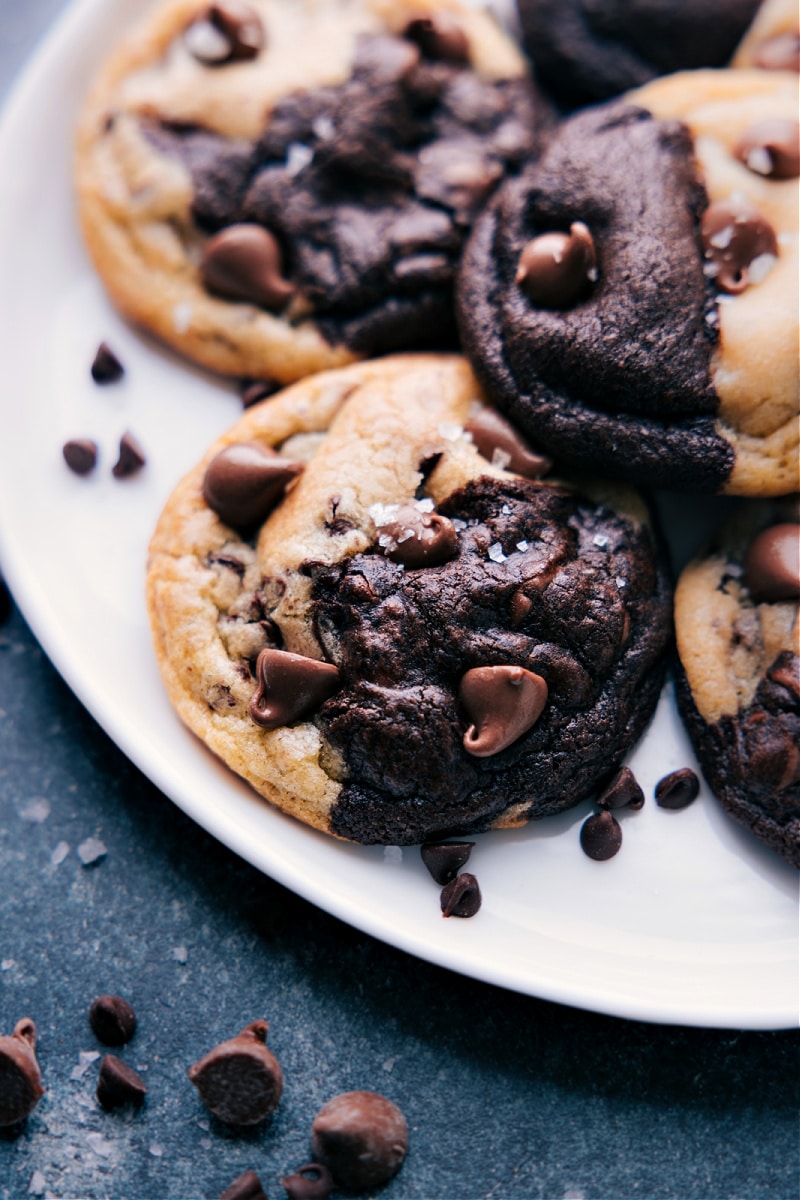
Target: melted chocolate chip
290	687
735	237
362	1137
245	1187
131	457
772	564
253	391
601	836
106	367
230	31
501	704
113	1020
461	897
243	262
779	53
418	539
785	671
310	1182
556	270
440	38
499	442
444	860
245	481
771	147
80	455
20	1078
678	789
240	1080
119	1084
622	792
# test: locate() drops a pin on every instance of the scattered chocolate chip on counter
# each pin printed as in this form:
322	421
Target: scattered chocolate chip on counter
362	1137
461	897
245	481
678	789
253	391
240	1080
444	860
113	1020
80	455
313	1181
106	367
119	1084
601	836
131	457
622	792
21	1086
245	1187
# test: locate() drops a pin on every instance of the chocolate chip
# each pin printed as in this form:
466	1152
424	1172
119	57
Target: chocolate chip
501	704
678	789
740	245
499	442
113	1020
80	455
253	391
774	760
106	367
243	262
445	859
240	1080
622	792
779	53
20	1078
772	564
245	481
416	538
771	147
245	1187
461	897
440	38
290	687
601	836
362	1137
119	1084
131	457
556	270
519	608
785	672
5	601
230	31
310	1182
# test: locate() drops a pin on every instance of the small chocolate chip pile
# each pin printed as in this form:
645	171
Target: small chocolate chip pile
240	1080
362	1137
461	897
601	834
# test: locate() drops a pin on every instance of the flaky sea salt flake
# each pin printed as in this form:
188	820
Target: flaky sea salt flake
496	553
91	851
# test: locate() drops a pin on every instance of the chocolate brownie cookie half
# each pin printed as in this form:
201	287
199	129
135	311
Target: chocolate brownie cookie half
631	300
738	637
391	636
280	186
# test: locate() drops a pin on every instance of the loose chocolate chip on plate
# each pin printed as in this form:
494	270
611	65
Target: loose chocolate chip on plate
245	1187
772	563
499	442
113	1020
362	1137
622	792
439	37
313	1181
417	538
245	481
771	147
461	897
779	53
290	687
131	457
556	270
243	262
501	703
240	1080
21	1085
740	245
601	836
119	1084
80	455
106	367
445	859
678	789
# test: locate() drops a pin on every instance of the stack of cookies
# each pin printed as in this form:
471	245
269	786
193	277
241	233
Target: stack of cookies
419	590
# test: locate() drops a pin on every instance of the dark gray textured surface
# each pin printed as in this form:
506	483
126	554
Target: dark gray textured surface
506	1097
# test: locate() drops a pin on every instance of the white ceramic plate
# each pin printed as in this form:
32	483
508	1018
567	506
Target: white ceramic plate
693	922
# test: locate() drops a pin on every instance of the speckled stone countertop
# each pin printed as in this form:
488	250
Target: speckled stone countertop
506	1097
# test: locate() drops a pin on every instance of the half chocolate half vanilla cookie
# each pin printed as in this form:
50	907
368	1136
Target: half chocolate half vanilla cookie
631	299
367	602
275	187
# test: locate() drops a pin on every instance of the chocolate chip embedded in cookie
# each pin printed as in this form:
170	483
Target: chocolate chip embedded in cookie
738	634
416	641
631	299
281	186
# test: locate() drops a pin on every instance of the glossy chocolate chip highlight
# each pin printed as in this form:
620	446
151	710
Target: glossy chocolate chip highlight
556	270
772	564
244	482
678	789
444	860
228	32
461	897
118	1084
622	792
245	1187
501	703
417	538
240	1080
131	457
21	1086
106	367
362	1137
312	1181
253	391
740	245
601	836
290	687
112	1020
80	455
503	446
244	262
771	147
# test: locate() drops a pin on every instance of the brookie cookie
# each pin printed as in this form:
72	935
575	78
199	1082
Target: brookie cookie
631	300
388	634
280	186
738	634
